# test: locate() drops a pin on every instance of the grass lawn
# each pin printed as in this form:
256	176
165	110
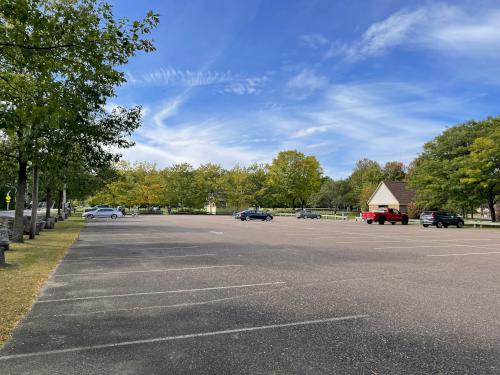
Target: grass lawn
28	267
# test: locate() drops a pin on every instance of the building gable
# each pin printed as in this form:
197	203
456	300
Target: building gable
400	190
383	196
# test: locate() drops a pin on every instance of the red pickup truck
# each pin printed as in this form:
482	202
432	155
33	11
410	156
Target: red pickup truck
385	214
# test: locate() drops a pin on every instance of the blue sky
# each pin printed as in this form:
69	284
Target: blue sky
237	81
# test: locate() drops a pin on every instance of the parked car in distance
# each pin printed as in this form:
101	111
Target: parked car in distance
441	219
307	214
385	214
248	215
106	212
88	209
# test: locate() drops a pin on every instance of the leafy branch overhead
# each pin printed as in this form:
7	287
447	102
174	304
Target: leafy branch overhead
59	65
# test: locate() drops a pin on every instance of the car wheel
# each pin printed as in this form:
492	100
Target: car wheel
439	224
268	218
393	222
381	221
113	216
369	221
425	225
90	216
405	222
242	219
460	224
247	218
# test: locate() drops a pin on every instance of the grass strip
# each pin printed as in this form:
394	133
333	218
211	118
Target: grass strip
28	266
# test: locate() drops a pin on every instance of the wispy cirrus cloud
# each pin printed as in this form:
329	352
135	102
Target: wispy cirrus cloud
379	120
205	139
306	82
230	83
246	86
314	40
439	27
186	78
301	133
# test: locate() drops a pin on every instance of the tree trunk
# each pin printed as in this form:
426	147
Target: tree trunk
34	203
48	193
64	203
59	203
22	178
491	206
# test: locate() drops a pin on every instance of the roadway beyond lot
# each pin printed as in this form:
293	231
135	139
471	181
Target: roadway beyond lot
212	295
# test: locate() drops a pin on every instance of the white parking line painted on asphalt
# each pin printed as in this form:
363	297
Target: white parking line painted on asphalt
414	247
169	248
82	243
481	247
155	307
434	246
142	258
146	271
218	233
163	292
415	240
293	226
462	254
183	337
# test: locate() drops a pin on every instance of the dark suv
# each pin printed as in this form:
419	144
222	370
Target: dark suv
441	219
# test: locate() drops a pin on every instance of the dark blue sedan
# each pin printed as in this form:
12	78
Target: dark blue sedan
248	215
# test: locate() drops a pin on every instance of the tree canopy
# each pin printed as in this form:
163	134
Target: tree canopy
59	63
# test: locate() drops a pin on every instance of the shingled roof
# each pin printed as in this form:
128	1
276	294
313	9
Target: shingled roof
400	191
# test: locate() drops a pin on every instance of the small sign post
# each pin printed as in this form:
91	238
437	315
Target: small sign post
7	199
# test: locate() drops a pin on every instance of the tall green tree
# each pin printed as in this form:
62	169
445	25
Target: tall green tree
441	174
258	186
394	171
294	177
364	180
236	185
58	65
209	184
180	185
332	194
481	169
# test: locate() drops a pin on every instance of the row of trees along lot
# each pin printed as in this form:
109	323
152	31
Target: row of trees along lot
458	170
59	64
291	180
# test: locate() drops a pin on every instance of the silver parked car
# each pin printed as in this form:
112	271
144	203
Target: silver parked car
306	214
111	213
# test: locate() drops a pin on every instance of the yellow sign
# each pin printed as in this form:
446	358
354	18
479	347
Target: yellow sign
7	198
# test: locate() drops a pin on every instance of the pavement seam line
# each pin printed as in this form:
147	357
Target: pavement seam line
163	292
182	337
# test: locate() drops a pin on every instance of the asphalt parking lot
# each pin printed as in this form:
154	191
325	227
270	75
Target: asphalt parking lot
212	295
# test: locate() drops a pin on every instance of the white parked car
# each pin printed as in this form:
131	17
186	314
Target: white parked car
111	213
